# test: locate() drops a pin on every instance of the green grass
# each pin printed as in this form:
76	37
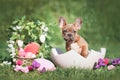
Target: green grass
100	28
59	73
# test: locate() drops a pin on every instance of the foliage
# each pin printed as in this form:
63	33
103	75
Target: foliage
65	74
23	32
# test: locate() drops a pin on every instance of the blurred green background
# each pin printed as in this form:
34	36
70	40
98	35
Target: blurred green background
101	20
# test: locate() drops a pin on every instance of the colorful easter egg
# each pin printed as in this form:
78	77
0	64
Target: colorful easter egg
32	47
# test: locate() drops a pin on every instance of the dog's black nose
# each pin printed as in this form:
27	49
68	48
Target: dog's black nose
69	35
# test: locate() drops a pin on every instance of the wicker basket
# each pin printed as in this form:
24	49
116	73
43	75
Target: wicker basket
26	61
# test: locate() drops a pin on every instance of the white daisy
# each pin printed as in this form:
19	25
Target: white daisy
18	27
42	38
20	43
10	45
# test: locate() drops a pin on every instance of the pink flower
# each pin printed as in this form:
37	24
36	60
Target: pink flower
106	61
21	53
25	69
17	68
19	62
20	68
30	68
110	67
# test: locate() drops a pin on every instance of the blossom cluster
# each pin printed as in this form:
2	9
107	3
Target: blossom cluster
110	64
40	64
28	39
5	63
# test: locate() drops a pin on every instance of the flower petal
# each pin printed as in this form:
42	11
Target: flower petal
20	43
42	38
110	67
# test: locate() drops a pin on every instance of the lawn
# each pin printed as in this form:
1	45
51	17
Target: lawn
101	28
66	74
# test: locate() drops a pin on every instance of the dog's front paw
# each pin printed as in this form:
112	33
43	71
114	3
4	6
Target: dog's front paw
74	46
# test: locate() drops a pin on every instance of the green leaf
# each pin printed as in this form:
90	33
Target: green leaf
14	37
49	37
27	27
33	26
22	37
38	23
15	22
20	23
23	18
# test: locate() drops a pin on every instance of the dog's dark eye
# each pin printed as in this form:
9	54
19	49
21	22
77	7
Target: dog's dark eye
64	31
74	31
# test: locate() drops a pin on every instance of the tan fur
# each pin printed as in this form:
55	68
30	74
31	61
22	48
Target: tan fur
69	33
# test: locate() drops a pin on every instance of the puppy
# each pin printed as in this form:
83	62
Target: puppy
70	35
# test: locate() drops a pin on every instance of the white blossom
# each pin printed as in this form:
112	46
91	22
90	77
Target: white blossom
14	28
8	49
18	27
46	29
6	63
10	45
13	50
11	41
14	59
13	55
13	66
20	43
42	38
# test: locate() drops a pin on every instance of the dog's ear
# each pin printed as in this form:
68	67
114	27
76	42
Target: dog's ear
78	23
62	22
